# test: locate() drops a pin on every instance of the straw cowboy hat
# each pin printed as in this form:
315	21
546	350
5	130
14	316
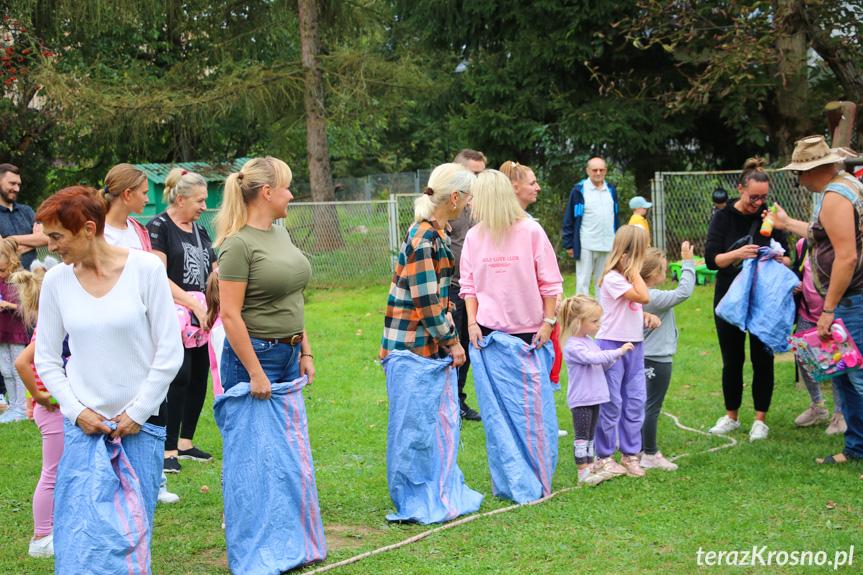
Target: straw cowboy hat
813	151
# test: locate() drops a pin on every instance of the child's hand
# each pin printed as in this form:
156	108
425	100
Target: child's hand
626	347
687	252
651	321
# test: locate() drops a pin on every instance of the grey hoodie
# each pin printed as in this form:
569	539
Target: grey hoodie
660	344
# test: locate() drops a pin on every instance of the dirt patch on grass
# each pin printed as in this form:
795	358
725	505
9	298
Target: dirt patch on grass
340	536
783	357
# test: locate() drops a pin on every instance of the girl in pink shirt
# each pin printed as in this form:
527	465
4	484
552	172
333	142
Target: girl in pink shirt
622	293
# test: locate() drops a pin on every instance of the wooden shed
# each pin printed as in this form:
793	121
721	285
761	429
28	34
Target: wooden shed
214	172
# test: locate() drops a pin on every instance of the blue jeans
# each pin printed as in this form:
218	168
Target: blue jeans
850	385
280	361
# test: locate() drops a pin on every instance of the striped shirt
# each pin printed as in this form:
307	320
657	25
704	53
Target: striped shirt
419	294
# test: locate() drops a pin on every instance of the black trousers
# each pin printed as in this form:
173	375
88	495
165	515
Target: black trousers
186	396
732	342
459	317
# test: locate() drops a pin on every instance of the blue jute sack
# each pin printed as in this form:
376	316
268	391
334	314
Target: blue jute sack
424	479
514	391
272	519
104	501
760	300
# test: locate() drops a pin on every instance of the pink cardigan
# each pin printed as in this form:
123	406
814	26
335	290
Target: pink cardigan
510	281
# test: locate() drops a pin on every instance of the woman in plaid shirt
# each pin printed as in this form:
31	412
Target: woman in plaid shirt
418	316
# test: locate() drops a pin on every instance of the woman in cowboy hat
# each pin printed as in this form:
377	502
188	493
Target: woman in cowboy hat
835	236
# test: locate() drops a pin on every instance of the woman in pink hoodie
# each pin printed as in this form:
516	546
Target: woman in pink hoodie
509	274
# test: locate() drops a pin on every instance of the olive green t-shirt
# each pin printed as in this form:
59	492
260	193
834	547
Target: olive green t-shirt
276	273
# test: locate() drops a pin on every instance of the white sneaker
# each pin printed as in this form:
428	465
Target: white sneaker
724	425
562	433
42	548
759	431
167	497
657	461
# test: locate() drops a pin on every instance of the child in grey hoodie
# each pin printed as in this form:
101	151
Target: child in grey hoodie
660	344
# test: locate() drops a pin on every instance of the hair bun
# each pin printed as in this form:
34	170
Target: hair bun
755	163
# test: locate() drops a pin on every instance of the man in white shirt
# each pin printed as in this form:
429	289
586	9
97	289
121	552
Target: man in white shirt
589	225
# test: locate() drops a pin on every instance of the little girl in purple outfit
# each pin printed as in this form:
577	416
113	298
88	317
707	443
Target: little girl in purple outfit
586	365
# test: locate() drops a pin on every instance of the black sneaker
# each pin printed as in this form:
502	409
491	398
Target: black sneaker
470	414
171	465
194	454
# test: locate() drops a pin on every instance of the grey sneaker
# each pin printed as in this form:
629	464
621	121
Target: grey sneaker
724	425
837	424
813	414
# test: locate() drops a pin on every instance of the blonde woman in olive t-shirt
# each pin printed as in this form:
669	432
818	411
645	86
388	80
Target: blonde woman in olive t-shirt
262	276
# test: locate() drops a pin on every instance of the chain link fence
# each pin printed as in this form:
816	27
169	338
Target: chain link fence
356	239
682	204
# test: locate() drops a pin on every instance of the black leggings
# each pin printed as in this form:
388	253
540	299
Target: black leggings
732	343
584	420
186	396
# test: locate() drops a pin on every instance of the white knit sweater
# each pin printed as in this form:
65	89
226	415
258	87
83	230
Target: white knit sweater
126	346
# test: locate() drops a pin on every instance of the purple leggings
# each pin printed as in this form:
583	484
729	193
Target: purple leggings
621	418
50	424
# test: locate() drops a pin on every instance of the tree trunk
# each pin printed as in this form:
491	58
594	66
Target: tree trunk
790	120
326	228
843	63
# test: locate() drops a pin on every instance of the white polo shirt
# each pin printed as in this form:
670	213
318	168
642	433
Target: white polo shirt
597	225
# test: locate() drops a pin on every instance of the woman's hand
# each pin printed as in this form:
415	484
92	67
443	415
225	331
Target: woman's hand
626	347
261	388
687	252
307	367
651	321
746	252
475	334
541	337
458	355
825	325
798	289
6	305
90	423
201	313
44	399
125	426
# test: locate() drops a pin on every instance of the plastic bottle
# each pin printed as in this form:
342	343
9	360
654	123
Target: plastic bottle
769	221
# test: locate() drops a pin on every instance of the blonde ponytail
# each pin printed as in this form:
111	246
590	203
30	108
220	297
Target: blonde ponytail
242	188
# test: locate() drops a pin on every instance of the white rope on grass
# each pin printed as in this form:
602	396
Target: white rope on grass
425	534
681	426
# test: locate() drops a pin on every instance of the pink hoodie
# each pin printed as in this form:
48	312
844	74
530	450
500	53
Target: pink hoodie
510	281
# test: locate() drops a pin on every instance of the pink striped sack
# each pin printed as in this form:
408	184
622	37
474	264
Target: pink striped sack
104	501
272	519
425	482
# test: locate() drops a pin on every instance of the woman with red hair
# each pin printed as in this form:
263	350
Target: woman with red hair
115	304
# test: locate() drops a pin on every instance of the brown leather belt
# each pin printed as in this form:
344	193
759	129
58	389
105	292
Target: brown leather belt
293	339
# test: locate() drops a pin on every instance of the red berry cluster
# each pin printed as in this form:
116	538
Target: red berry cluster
13	59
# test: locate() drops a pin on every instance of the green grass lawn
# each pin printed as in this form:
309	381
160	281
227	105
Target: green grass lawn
766	494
